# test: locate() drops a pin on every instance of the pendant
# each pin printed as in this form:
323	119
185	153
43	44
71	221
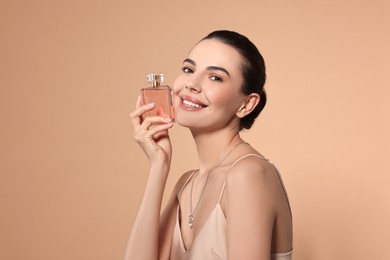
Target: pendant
191	220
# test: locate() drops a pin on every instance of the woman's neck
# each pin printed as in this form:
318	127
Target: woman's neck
213	146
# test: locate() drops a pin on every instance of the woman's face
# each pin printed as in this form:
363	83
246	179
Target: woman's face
207	93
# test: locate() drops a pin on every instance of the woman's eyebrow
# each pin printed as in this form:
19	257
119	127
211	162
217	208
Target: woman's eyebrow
218	68
209	67
189	61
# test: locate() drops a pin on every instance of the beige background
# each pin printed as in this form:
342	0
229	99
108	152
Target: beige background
72	177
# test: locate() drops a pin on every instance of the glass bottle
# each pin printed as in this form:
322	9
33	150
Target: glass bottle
160	95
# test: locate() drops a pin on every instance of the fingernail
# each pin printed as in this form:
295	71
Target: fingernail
150	104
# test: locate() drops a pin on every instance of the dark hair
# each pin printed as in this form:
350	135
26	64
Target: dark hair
252	68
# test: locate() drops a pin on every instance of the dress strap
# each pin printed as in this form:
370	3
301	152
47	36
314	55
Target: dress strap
247	155
223	188
185	184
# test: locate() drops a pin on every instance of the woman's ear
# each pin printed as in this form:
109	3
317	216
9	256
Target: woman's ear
249	103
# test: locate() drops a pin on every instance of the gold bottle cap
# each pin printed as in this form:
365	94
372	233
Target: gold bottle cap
155	79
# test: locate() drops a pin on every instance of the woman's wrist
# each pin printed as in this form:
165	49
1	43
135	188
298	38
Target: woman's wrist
160	168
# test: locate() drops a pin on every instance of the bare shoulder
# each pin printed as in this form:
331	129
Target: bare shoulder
253	178
251	168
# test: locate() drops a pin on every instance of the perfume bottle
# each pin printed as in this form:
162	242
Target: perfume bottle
160	95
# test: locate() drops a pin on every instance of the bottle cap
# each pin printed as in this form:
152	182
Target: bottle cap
155	79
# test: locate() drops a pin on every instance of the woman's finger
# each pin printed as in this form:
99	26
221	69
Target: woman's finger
154	120
148	132
158	128
135	116
138	104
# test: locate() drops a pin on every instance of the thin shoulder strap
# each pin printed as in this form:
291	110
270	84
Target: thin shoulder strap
223	188
185	184
247	155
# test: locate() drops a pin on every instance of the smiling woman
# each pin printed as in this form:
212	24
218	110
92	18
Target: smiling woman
234	206
212	78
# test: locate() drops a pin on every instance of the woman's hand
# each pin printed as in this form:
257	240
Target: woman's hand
151	133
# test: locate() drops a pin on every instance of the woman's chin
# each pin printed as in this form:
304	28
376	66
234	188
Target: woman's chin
183	122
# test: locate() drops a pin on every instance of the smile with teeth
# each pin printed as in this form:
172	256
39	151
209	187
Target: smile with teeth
190	104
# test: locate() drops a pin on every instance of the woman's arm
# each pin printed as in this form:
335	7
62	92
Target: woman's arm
152	135
143	242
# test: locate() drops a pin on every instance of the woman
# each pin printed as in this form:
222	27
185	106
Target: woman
234	205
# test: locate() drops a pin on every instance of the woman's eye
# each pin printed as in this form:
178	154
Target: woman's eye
215	78
187	70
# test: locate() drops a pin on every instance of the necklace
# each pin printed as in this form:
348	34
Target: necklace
191	217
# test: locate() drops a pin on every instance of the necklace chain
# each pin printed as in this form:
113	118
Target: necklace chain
191	217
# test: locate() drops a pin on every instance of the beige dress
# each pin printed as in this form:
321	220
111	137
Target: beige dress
210	242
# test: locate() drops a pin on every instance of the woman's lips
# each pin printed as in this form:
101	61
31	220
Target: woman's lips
189	103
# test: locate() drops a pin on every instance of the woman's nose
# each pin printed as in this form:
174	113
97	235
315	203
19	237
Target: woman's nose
194	85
